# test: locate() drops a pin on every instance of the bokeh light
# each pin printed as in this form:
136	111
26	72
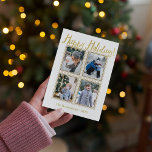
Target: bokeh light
98	30
5	30
87	4
52	36
20	84
22	57
12	47
55	25
108	91
42	34
121	110
122	94
5	73
14	72
104	107
101	1
10	61
23	15
21	9
37	22
102	14
56	3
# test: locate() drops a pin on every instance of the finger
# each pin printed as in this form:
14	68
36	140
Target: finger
39	94
54	116
64	119
44	111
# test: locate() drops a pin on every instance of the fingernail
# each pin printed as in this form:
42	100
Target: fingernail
61	110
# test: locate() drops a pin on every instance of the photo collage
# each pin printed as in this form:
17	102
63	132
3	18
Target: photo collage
80	77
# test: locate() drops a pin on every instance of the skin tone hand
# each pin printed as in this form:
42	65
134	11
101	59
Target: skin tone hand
55	118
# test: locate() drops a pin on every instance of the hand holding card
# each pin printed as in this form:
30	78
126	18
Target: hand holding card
55	118
80	74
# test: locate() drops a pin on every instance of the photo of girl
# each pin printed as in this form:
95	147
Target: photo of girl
87	93
65	87
94	66
72	60
65	92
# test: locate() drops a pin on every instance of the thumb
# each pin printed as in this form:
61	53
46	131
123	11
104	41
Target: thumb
54	116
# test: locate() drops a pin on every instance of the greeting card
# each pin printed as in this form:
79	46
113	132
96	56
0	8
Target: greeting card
80	74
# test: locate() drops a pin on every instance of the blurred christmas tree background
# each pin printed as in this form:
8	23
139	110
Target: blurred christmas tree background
29	39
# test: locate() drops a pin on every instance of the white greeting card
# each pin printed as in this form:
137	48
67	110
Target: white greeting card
80	74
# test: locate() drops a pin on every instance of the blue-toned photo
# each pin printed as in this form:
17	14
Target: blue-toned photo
94	66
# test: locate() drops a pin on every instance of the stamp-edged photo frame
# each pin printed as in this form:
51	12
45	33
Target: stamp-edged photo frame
63	73
65	51
76	93
84	69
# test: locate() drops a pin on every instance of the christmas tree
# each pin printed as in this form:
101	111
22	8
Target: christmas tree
30	35
62	81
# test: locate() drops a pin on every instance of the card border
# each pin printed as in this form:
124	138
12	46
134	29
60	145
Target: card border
76	110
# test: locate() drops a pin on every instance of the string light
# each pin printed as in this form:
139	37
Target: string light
10	28
42	34
103	34
56	3
17	28
20	84
22	57
10	61
87	4
122	94
19	32
102	14
55	25
21	9
124	35
98	30
10	74
125	57
18	52
5	30
108	91
12	47
104	107
14	72
101	1
52	36
37	22
121	110
23	15
5	73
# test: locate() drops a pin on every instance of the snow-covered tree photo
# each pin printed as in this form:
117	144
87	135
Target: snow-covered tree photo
65	87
